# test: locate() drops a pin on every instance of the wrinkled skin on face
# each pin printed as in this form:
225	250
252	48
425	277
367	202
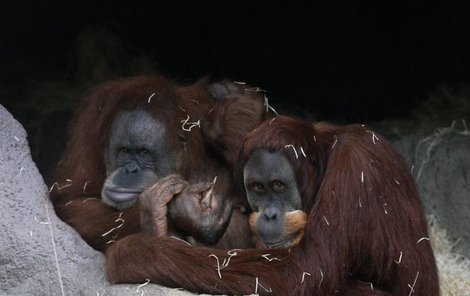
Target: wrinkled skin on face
139	154
141	164
273	194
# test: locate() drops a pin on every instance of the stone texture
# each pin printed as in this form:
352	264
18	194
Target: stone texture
39	254
441	167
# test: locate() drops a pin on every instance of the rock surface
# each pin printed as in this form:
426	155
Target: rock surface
39	254
441	167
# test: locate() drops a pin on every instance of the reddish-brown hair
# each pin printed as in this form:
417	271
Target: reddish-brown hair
207	150
366	232
83	160
295	138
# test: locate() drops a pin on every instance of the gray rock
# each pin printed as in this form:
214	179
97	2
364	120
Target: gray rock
441	167
39	254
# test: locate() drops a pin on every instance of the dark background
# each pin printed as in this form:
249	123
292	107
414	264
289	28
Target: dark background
336	60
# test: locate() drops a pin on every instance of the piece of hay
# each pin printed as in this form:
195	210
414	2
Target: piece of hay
454	269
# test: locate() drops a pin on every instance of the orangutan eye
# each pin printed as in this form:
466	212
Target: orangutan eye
124	150
257	187
143	152
278	186
147	157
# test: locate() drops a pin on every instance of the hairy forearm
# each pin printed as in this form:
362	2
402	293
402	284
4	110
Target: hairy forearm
173	263
98	224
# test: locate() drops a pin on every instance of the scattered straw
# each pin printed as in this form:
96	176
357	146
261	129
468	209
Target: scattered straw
431	142
187	125
412	287
421	239
303	276
321	279
119	219
150	98
84	187
255	89
454	269
259	284
181	240
268	107
54	185
385	210
139	288
374	137
334	143
65	186
266	256
225	263
399	259
293	148
54	248
212	187
68	184
218	265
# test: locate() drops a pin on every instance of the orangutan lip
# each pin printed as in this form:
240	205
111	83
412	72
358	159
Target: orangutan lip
124	190
274	245
122	194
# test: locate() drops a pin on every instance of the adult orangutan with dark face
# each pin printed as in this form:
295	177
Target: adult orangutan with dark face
335	211
140	146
